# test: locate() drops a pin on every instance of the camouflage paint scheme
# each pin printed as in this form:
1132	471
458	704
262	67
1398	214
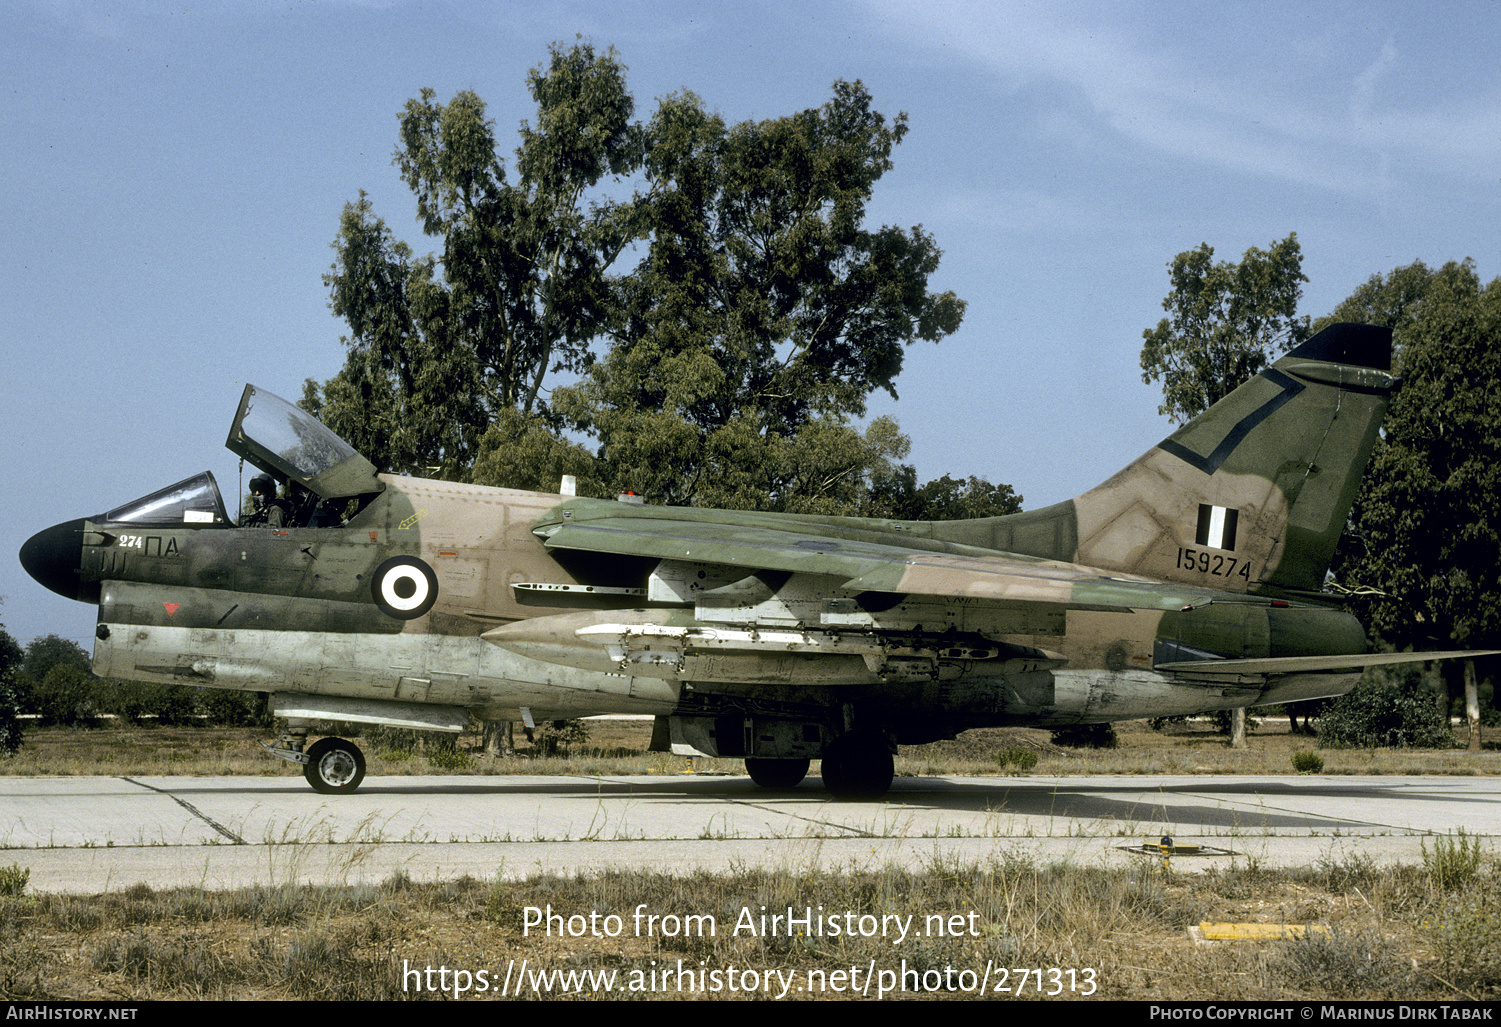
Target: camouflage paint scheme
1190	581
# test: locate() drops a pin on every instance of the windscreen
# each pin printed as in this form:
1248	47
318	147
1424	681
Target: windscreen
194	500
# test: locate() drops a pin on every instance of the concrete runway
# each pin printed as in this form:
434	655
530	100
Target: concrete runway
93	834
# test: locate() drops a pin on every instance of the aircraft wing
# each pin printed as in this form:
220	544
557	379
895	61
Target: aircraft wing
868	566
1316	664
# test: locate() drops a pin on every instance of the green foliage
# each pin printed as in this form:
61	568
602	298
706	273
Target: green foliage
55	681
521	452
176	705
1466	934
761	315
1392	708
1393	300
449	759
399	743
897	495
12	658
1228	322
764	313
48	651
1454	862
1087	736
558	737
1017	758
1222	720
131	701
1427	534
440	345
65	696
235	709
1343	871
139	702
13	879
381	737
1305	762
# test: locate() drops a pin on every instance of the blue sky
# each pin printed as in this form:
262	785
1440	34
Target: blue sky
174	176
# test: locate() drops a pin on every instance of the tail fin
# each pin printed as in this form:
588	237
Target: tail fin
1255	490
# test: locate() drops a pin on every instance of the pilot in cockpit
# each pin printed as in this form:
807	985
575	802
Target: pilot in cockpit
267	510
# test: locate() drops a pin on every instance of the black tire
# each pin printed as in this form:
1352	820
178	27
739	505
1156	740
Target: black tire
779	774
334	766
829	766
862	767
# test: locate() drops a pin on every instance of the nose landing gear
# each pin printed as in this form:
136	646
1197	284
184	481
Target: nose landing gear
332	766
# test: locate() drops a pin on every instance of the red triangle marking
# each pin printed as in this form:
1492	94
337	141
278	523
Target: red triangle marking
171	608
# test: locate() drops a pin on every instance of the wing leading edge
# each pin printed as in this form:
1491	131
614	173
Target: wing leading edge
1315	664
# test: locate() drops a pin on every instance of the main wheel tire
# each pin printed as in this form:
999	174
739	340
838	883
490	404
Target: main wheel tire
334	766
862	767
779	774
831	767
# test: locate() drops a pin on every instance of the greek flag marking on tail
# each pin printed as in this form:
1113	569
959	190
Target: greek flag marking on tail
1217	526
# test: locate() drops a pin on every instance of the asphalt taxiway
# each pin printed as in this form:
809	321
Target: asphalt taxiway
92	834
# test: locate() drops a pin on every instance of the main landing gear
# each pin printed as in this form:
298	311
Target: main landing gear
858	765
778	775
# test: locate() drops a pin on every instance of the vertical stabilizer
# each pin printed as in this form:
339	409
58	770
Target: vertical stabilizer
1255	490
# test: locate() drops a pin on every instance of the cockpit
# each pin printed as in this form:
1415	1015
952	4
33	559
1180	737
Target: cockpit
281	439
278	437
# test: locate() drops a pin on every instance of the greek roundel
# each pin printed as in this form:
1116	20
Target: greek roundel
404	587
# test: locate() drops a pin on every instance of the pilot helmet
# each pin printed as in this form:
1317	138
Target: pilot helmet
263	485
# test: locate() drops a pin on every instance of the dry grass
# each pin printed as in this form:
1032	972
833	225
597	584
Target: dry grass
1406	932
1193	748
619	747
1392	935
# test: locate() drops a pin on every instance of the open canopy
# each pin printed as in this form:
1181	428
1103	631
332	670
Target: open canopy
287	441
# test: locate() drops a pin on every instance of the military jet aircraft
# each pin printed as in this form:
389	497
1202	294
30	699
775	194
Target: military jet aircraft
1191	581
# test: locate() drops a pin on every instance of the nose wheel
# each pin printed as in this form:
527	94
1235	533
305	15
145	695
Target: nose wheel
334	766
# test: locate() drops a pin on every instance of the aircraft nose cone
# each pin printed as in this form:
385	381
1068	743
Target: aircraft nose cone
53	558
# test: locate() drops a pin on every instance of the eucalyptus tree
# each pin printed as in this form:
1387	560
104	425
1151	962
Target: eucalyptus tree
1424	553
1227	322
764	312
439	345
